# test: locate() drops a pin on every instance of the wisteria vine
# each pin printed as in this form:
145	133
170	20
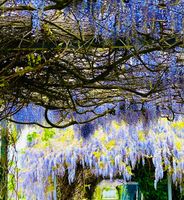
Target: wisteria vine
111	150
116	18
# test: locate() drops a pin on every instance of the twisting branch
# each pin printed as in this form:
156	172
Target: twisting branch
73	122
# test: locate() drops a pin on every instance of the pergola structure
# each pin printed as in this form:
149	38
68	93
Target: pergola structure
89	59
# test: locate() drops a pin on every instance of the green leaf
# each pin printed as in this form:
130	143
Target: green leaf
32	136
47	134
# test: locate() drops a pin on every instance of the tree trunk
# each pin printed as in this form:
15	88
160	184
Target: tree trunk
82	188
4	164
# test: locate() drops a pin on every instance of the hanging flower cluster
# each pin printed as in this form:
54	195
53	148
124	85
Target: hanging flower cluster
37	14
155	74
113	149
116	18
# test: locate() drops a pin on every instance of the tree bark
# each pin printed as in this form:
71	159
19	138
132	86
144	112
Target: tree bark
82	188
4	164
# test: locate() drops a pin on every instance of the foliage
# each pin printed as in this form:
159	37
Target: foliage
31	136
97	193
47	134
144	176
8	161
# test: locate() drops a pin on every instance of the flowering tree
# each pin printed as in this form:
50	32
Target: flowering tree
112	151
83	60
